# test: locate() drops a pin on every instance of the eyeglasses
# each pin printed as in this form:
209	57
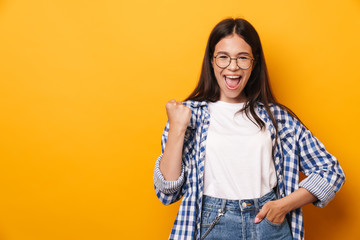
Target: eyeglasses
243	61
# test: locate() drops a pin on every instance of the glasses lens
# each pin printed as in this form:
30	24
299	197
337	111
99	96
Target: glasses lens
222	60
244	62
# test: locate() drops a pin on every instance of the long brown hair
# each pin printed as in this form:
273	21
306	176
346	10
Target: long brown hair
257	88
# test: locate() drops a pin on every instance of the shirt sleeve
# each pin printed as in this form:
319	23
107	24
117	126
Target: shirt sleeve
167	187
324	173
167	191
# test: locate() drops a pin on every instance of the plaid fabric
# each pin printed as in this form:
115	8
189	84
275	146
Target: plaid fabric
295	150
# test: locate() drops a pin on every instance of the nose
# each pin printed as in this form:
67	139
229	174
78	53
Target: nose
233	64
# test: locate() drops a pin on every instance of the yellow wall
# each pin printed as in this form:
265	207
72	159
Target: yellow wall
82	98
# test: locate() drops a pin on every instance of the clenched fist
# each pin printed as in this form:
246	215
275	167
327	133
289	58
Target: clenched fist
178	115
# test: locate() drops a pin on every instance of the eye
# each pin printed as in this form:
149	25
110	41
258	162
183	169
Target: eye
244	58
223	56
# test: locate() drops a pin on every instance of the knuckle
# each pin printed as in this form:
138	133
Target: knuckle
171	103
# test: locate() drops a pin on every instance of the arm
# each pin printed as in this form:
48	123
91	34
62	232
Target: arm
170	164
324	174
324	178
169	170
276	211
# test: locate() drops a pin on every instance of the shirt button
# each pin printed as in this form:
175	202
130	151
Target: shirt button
244	204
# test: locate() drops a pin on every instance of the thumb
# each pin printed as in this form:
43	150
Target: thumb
259	217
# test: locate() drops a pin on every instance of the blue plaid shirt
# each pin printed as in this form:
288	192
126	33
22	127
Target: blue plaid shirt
295	150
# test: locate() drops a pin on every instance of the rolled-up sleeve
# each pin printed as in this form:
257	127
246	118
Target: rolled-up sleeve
167	187
324	174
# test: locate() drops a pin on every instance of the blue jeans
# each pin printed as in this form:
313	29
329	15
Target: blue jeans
223	219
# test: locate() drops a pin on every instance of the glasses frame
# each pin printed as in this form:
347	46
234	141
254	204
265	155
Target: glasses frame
236	60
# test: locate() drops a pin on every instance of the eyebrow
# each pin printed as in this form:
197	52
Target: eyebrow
240	53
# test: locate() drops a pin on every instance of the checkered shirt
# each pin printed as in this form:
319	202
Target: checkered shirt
295	150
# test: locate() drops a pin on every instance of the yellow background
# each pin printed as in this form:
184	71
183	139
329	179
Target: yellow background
82	100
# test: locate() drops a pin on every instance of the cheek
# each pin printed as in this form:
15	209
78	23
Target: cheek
217	71
218	76
248	73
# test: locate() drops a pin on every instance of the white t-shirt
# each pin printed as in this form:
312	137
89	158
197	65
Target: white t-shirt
238	162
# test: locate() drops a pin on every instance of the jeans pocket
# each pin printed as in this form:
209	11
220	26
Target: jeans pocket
205	219
209	220
274	224
273	231
208	216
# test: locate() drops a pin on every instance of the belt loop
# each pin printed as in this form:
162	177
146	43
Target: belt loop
256	203
223	204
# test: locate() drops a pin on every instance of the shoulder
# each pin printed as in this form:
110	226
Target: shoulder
197	107
282	115
195	104
199	112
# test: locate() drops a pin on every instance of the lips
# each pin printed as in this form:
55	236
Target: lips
232	82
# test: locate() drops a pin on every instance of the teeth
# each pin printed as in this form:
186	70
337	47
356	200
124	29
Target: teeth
233	77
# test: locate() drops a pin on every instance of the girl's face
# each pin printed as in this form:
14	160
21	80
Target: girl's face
232	79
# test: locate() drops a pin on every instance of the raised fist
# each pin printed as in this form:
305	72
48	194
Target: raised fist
178	115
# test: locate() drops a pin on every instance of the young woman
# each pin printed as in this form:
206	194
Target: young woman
233	153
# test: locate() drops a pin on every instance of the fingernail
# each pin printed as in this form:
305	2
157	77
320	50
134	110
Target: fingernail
257	220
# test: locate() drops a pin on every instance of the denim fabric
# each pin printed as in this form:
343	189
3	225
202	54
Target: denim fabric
223	219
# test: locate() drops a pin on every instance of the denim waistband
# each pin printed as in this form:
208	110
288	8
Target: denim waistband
245	204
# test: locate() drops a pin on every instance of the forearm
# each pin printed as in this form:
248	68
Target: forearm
170	163
276	210
297	199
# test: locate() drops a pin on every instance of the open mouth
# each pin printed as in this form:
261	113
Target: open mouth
232	82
